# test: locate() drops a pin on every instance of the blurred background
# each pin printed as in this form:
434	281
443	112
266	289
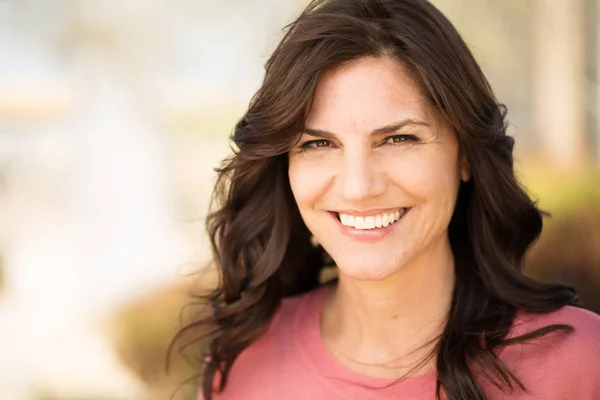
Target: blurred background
113	115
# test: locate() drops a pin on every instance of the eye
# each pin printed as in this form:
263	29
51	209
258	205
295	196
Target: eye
397	139
314	144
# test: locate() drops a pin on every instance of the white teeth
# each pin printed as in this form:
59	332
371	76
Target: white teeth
385	220
359	222
371	221
393	218
350	220
344	219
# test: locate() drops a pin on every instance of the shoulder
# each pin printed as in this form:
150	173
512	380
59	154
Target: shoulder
562	362
273	357
278	337
582	336
585	324
290	315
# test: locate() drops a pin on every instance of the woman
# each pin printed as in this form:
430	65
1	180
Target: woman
376	142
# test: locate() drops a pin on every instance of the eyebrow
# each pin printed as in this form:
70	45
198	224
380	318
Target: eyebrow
376	132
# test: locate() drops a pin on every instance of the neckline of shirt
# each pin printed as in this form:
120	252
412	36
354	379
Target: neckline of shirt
307	332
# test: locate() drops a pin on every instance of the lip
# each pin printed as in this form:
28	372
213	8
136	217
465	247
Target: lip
367	235
369	213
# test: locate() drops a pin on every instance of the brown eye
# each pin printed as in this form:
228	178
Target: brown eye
397	139
313	144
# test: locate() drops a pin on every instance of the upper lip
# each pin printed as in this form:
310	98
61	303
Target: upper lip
369	212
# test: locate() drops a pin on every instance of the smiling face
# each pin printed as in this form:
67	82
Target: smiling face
376	171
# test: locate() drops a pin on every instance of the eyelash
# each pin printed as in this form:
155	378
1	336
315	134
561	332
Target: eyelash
315	144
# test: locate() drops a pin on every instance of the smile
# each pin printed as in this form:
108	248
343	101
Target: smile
369	222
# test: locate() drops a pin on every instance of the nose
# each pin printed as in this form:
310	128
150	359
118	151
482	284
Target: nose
360	176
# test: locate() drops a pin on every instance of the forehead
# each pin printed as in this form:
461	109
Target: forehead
366	94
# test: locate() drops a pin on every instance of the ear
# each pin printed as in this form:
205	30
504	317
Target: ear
465	168
313	241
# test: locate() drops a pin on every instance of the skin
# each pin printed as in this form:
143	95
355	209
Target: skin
394	290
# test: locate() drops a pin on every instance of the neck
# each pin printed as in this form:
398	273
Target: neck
392	321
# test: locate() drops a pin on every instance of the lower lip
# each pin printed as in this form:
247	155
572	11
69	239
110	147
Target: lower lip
368	235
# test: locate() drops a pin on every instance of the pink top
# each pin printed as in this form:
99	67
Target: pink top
291	362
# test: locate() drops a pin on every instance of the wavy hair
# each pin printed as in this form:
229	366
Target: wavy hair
262	247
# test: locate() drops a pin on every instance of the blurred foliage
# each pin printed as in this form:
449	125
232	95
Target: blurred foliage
144	330
569	247
562	192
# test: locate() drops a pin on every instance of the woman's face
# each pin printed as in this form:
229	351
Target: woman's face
376	172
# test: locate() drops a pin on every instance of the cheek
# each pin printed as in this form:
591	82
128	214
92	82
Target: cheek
428	177
308	180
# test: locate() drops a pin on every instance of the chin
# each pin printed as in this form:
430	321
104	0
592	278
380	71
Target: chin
367	270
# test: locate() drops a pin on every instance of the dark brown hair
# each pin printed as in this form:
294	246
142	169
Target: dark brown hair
262	247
